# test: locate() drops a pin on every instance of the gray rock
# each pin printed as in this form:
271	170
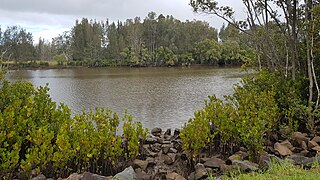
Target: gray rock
191	176
167	160
172	156
156	131
317	149
177	145
265	161
234	157
151	154
91	176
137	163
156	147
173	150
176	132
300	160
150	140
304	153
214	163
275	159
168	132
127	174
316	139
174	176
165	142
243	154
304	145
142	175
299	137
312	144
204	159
151	161
166	148
283	148
74	176
200	172
246	166
40	177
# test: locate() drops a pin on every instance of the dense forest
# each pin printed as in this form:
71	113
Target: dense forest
154	41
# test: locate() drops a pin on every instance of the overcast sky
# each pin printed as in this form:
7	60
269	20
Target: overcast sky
48	18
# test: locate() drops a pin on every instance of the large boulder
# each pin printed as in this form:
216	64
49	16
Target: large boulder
127	174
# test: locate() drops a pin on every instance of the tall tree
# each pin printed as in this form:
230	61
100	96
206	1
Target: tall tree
17	44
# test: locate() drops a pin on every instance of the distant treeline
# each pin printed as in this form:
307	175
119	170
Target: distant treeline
154	41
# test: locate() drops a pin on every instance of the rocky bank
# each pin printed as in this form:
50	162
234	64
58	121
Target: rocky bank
162	157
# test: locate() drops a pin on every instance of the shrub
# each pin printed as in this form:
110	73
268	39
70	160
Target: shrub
38	136
195	134
133	134
243	118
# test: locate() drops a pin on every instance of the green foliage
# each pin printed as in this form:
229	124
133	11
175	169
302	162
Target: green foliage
243	118
133	134
207	52
223	117
231	52
195	134
186	59
279	171
130	57
257	114
166	56
38	136
287	94
60	58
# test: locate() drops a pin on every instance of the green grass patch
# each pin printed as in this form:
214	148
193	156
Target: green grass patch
283	171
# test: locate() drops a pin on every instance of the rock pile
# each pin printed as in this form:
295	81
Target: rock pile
162	157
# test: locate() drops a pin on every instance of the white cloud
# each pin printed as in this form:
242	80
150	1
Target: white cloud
50	18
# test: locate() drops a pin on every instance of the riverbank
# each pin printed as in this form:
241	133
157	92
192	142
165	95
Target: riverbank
43	65
161	157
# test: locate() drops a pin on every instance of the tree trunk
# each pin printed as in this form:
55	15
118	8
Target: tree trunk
294	38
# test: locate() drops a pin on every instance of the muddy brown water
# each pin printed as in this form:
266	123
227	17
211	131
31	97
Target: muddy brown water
157	97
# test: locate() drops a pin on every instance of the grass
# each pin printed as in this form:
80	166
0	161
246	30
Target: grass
283	171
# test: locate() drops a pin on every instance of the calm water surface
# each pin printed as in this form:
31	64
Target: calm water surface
157	97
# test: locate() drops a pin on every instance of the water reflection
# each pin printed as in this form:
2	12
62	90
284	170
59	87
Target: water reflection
158	97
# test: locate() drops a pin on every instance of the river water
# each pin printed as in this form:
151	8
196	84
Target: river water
157	97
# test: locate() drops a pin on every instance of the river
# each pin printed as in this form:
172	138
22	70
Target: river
157	97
